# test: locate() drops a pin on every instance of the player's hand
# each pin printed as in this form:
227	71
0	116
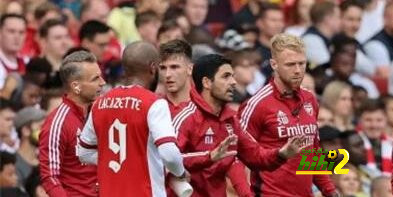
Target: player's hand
292	147
221	151
185	176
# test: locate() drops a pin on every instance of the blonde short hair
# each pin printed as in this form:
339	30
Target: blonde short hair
332	92
282	41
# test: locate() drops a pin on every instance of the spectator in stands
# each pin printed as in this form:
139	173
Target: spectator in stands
168	31
8	177
380	47
177	14
95	36
349	184
196	11
148	24
94	10
99	10
352	11
325	17
246	16
337	96
33	184
381	187
325	116
55	41
244	69
12	34
373	122
388	102
157	6
372	17
28	122
353	143
359	95
342	67
51	99
30	95
270	22
8	136
11	7
329	138
299	17
42	11
308	83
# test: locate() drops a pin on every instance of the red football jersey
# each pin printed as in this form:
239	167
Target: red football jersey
127	125
272	119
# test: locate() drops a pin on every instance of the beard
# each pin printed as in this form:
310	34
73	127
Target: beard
154	83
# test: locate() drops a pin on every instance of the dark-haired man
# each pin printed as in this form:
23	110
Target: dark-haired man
175	73
12	34
207	126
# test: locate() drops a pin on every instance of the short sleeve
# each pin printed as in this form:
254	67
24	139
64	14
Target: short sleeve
159	123
88	137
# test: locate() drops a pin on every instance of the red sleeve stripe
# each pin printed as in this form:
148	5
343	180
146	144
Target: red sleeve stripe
86	145
165	140
252	103
181	116
195	154
54	139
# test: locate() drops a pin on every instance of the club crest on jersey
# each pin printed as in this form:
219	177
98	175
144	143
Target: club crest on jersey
230	130
308	108
209	136
282	118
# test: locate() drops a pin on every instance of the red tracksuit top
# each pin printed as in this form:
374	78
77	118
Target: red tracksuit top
271	119
62	174
199	131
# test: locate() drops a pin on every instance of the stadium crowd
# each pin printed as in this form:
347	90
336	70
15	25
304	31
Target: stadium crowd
348	45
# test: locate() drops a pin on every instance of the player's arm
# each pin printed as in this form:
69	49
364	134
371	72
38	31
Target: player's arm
194	161
238	177
52	146
162	131
87	143
256	157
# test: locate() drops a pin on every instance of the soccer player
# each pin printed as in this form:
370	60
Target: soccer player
62	173
130	129
207	123
175	71
280	111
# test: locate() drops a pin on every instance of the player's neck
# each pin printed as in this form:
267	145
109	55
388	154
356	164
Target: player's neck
215	104
136	81
180	96
79	102
282	88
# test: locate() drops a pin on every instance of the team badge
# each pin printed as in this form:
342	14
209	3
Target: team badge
308	108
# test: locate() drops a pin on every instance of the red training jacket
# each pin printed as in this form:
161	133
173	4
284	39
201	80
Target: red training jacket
62	174
200	131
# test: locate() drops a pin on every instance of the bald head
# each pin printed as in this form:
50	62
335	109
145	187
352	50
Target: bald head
138	57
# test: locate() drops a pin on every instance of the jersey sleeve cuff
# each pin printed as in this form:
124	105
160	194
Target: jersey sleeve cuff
164	140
